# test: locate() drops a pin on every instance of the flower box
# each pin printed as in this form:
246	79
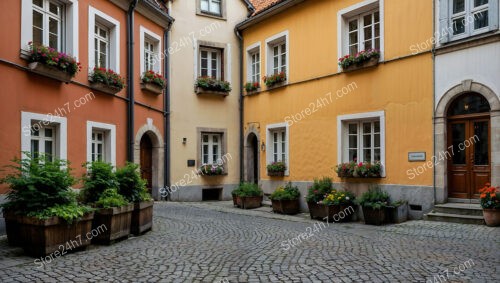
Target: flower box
372	62
117	220
200	90
275	174
286	206
252	92
251	202
373	216
397	214
276	85
142	217
236	201
353	169
49	72
152	88
104	88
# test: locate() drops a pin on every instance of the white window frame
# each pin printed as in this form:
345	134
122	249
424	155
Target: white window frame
469	11
210	3
280	38
41	138
209	61
210	144
270	129
69	43
342	136
360	31
343	17
95	142
225	52
101	39
59	125
251	51
109	149
46	17
98	17
155	39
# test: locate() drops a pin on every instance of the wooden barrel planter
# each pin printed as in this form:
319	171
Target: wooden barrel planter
286	206
117	221
236	201
374	216
43	237
13	228
142	217
251	202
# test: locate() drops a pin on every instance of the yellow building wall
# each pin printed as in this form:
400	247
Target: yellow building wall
401	87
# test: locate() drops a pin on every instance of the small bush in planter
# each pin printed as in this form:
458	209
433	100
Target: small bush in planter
100	177
274	79
315	196
111	198
286	199
276	168
250	195
374	202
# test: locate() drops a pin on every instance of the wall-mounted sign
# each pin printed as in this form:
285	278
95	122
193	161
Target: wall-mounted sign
416	156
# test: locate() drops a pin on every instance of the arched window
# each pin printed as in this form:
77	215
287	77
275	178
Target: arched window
469	103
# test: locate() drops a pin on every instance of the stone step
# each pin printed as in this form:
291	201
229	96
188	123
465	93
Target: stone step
459	208
454	218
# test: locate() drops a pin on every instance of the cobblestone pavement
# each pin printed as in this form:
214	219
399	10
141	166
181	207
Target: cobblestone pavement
194	242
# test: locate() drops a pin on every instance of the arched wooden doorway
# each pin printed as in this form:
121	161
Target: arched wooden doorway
252	158
468	146
146	160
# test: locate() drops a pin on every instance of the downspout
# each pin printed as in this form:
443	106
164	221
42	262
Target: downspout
130	80
166	109
241	101
434	99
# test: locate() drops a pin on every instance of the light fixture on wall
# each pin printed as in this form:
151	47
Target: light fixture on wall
466	107
263	146
184	140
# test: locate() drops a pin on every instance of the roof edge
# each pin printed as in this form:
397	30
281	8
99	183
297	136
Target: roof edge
267	13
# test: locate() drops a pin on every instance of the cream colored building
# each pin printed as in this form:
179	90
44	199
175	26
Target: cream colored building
204	126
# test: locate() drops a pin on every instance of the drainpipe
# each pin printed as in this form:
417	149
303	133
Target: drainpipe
241	102
166	109
434	100
130	80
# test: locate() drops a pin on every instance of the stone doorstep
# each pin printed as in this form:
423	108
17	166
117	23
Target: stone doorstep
454	218
459	208
466	213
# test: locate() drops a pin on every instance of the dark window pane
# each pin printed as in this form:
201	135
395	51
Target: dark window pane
458	6
480	141
469	104
481	20
478	3
458	26
458	138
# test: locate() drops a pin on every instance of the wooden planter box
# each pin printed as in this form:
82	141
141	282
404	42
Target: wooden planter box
286	206
373	216
13	228
117	221
43	237
275	174
367	64
251	202
317	211
397	214
104	88
142	217
200	90
49	72
276	85
236	201
152	88
252	92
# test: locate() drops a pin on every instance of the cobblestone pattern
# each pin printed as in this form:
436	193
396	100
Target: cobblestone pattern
195	243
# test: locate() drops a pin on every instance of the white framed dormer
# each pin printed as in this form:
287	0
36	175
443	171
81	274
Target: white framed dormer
225	53
36	127
150	47
62	12
101	141
361	136
278	40
110	26
278	144
254	59
356	13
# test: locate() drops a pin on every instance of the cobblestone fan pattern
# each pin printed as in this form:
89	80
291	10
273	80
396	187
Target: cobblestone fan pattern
194	243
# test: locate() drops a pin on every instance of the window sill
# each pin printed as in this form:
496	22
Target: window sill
151	88
277	85
253	92
468	42
104	88
210	15
200	91
373	62
275	174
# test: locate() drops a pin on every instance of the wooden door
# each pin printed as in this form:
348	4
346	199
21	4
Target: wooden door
468	156
147	160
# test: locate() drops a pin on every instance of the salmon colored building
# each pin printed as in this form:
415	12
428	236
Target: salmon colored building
72	120
323	115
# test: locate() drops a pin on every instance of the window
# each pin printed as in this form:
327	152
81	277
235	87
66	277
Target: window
255	66
101	142
211	146
42	134
277	54
361	137
364	32
101	46
150	48
277	140
211	7
104	41
210	62
53	23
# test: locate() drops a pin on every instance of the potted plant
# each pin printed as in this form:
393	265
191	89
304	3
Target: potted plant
210	85
337	202
42	214
153	82
48	62
490	202
133	188
397	212
252	87
362	59
106	80
353	169
250	195
374	202
276	168
211	169
275	80
285	200
100	189
315	196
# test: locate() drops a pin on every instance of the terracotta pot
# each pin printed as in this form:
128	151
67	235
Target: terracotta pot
491	216
286	206
142	217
